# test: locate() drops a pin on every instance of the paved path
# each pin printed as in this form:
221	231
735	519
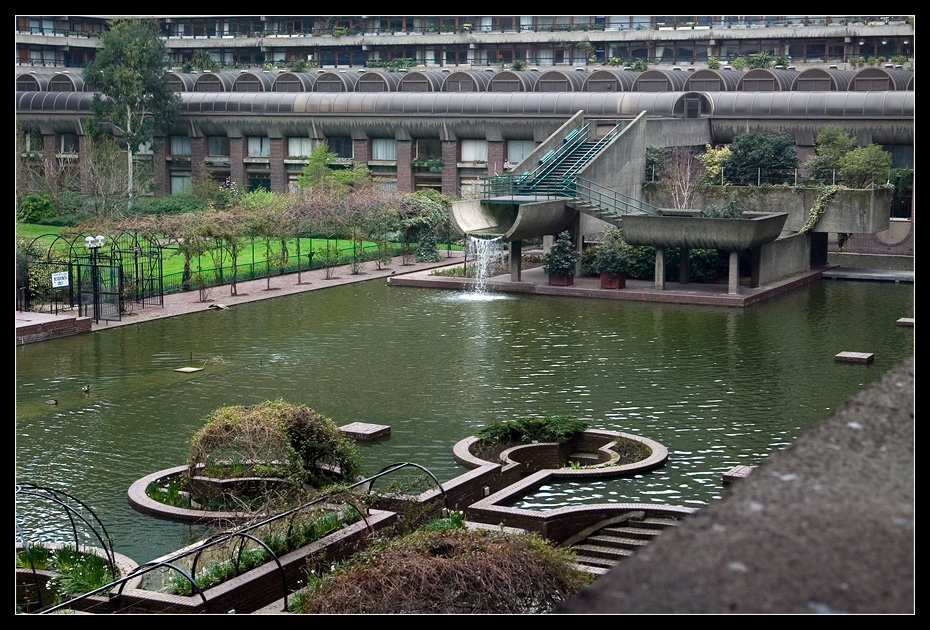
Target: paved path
255	290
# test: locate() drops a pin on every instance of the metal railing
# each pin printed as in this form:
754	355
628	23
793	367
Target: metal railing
606	199
173	563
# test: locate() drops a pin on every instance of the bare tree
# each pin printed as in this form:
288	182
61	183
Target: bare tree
680	176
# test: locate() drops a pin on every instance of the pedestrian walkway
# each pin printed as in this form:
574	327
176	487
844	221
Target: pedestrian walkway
246	291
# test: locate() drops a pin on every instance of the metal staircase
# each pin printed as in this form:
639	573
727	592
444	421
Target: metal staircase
556	175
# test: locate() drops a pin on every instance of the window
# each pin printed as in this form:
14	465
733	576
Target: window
429	148
299	147
218	146
341	147
474	150
144	149
517	150
180	145
180	181
384	149
259	182
259	147
69	143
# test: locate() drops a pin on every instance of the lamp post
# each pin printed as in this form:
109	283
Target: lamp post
94	243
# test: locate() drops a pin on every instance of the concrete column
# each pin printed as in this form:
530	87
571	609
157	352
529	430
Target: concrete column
660	269
516	262
684	267
733	286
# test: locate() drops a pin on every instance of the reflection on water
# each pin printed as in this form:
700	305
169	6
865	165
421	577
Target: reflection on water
717	386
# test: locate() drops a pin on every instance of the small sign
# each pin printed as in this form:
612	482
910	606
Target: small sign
59	279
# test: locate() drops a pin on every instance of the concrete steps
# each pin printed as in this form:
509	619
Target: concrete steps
608	545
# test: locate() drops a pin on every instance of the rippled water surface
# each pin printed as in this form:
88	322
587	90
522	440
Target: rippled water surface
717	386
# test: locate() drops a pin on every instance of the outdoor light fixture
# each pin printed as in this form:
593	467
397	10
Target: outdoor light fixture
94	242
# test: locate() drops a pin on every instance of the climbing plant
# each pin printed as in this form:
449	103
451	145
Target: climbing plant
819	208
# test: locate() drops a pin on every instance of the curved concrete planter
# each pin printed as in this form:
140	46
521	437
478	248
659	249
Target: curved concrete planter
139	499
546	456
694	232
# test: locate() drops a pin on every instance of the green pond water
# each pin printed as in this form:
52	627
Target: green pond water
717	386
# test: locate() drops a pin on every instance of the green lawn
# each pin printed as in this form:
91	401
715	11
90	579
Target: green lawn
252	254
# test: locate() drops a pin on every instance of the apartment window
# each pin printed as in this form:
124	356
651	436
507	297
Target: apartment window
145	149
474	150
180	145
218	146
180	181
299	147
341	147
384	149
69	143
259	182
429	148
517	150
259	147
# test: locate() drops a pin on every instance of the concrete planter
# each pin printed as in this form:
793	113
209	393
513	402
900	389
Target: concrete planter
695	232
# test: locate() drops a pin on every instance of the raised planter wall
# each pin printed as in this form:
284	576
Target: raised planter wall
849	211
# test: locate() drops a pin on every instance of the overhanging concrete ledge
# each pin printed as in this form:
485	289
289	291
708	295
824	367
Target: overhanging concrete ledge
732	235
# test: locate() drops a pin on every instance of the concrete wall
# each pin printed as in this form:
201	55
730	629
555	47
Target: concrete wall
850	211
784	257
620	166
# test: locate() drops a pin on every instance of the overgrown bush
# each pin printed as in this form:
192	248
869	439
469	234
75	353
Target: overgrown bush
447	572
36	208
554	428
273	438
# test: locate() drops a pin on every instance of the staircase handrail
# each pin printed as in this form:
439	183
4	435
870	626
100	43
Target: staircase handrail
607	199
553	158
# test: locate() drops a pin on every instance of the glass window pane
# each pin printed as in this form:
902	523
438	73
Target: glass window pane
384	149
259	147
474	150
180	145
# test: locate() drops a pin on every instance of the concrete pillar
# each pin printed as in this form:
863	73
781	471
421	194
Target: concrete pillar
733	285
516	262
660	269
684	266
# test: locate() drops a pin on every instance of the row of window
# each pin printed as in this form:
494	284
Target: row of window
471	150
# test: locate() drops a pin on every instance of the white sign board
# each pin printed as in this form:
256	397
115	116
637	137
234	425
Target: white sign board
60	279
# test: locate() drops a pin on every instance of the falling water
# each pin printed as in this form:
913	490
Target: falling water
487	255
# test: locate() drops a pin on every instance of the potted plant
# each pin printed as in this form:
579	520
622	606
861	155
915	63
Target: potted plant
612	259
560	261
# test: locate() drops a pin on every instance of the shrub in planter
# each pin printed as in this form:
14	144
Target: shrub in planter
273	439
560	261
612	259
